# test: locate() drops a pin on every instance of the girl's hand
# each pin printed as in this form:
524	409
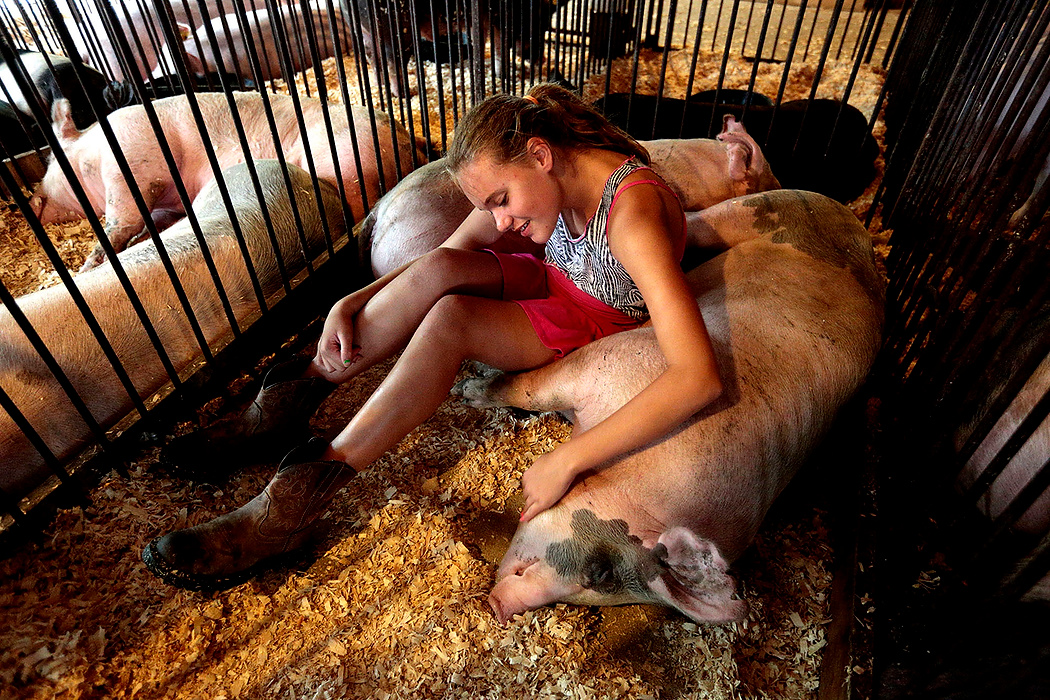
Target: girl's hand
336	350
544	483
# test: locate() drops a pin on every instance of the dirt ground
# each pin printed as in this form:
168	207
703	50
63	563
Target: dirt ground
390	602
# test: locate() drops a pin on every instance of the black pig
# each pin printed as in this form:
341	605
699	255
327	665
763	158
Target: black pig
820	145
53	82
16	138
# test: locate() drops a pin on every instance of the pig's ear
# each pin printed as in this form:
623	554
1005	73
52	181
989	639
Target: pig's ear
739	149
62	118
694	578
731	126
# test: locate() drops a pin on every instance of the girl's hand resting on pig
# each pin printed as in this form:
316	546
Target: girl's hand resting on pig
545	482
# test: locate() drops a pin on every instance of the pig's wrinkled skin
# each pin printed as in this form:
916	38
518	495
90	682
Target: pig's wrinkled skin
427	206
794	308
89	153
25	378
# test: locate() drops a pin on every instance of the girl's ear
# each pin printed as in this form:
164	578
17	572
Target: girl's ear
540	149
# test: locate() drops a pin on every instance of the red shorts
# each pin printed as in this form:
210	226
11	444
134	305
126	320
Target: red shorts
563	316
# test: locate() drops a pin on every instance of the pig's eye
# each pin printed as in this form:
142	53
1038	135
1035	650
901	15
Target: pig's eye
599	571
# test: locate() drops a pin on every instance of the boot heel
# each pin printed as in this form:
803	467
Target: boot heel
277	419
232	548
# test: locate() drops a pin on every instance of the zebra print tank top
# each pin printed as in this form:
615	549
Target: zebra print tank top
587	260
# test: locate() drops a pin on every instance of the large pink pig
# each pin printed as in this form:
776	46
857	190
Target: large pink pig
425	207
141	25
96	168
38	395
794	307
231	47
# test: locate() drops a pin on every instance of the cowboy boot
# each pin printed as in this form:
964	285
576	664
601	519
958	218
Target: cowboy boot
231	548
277	420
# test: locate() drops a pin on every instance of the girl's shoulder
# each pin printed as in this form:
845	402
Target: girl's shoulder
643	188
645	204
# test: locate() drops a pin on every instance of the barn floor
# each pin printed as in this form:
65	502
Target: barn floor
391	601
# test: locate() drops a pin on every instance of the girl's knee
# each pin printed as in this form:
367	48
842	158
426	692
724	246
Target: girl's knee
450	270
448	319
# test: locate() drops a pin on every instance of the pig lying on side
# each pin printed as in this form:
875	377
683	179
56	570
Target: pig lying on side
97	170
423	210
38	395
232	49
794	307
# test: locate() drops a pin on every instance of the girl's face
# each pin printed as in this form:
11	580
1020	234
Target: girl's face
522	196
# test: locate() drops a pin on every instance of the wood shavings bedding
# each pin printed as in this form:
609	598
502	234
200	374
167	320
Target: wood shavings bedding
391	602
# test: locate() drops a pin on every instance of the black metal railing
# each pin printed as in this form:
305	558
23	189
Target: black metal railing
422	64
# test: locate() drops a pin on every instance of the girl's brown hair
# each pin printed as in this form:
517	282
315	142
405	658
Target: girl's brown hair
503	124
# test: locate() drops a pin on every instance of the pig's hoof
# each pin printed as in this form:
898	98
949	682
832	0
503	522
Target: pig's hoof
476	392
94	259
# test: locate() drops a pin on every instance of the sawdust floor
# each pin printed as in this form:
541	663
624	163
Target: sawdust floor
391	600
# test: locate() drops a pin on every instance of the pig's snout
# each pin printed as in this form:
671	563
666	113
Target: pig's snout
513	596
526	585
501	613
39	204
47	210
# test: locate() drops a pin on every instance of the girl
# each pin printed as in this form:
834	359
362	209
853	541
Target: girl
544	167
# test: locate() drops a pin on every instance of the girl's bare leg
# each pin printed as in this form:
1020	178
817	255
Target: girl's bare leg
277	418
228	549
457	328
386	322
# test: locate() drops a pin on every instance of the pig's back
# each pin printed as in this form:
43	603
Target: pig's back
795	318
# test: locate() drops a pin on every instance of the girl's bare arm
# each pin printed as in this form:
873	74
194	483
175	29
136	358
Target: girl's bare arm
639	237
336	347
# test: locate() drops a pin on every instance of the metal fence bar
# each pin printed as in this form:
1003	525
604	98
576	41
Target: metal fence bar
54	367
977	249
901	258
968	282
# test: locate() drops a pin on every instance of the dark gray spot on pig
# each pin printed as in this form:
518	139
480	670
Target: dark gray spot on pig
603	556
820	228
